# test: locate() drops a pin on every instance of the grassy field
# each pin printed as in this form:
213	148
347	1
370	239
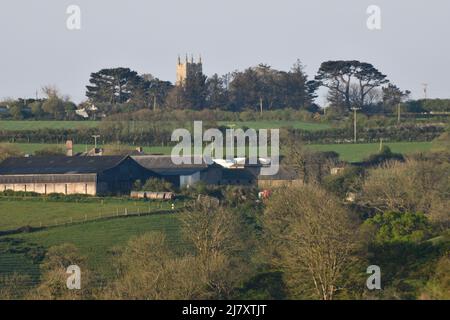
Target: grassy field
276	124
30	148
33	125
94	239
347	152
36	212
42	124
358	152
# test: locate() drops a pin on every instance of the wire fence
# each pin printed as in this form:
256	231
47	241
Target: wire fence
68	221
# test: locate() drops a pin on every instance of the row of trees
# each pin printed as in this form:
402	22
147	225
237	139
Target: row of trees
53	106
260	88
350	84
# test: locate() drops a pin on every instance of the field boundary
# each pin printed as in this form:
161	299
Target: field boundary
100	217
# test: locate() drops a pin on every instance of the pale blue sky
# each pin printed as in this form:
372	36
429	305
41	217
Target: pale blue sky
37	49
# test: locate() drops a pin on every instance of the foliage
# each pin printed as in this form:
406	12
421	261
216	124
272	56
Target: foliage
50	151
54	276
338	76
154	185
311	238
413	186
219	243
438	287
349	180
400	227
384	155
148	270
8	150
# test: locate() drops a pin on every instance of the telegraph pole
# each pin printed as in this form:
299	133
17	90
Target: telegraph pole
425	90
95	140
261	105
354	123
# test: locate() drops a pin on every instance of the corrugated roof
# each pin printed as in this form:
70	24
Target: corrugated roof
284	173
59	165
165	163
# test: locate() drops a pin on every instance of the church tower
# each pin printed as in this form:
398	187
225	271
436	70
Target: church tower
187	69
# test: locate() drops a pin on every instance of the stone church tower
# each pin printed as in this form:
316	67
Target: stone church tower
188	69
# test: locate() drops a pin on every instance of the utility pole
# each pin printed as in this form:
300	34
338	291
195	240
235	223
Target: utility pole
425	90
354	123
95	140
398	113
261	105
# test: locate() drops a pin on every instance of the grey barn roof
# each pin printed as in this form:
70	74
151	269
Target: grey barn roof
284	173
165	166
59	165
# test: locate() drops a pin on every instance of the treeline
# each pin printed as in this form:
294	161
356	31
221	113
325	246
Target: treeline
146	133
258	89
429	105
53	106
408	132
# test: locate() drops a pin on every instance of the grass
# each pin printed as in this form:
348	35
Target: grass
276	124
36	212
13	125
30	148
348	152
19	125
95	240
358	152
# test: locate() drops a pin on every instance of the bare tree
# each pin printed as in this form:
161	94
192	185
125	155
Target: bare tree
311	238
218	240
54	277
413	186
148	270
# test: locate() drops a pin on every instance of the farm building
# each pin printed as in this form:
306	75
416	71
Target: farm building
238	176
72	175
286	176
242	174
181	175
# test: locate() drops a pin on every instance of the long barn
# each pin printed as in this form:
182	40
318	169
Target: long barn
106	175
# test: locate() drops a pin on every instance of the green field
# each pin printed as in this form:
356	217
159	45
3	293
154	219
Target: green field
358	152
41	211
347	152
30	148
274	124
94	239
17	125
42	124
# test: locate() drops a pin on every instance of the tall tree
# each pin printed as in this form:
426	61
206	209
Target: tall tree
299	93
338	76
216	92
392	96
150	92
112	85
